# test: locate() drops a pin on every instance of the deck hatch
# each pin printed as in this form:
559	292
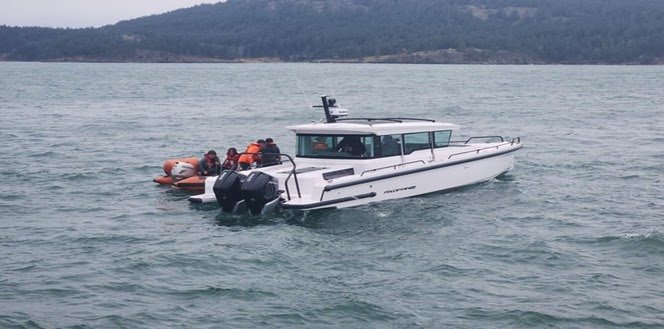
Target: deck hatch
338	173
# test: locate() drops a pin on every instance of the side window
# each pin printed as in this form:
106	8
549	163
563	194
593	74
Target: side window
390	145
354	146
442	138
304	145
311	145
416	141
336	146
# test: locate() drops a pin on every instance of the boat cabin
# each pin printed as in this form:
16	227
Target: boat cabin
367	138
370	138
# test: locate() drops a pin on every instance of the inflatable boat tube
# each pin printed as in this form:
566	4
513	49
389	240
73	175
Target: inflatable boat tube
194	184
164	180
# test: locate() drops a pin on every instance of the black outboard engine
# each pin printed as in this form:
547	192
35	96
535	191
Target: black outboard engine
227	189
260	192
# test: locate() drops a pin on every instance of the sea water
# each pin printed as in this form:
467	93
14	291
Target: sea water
573	237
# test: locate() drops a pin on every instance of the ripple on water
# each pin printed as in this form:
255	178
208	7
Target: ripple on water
570	238
652	242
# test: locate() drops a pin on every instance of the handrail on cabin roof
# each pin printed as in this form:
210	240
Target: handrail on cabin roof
400	120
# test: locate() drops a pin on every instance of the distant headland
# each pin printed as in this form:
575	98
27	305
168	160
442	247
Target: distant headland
364	31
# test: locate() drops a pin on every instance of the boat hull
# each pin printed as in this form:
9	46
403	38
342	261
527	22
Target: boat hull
412	182
377	182
208	193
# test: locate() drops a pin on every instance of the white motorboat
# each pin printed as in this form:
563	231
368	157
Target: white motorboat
345	162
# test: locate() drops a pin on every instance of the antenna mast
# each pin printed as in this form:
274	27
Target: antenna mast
332	111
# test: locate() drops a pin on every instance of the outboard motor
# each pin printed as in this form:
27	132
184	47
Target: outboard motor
227	189
260	192
182	170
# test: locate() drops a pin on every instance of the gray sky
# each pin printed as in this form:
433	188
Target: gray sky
83	13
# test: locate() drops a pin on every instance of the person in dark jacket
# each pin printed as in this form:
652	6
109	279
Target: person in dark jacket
270	153
209	165
352	145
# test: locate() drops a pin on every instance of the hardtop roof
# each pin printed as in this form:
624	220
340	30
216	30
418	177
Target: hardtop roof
367	126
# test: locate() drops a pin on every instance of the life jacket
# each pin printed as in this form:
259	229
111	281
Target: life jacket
231	161
319	146
250	158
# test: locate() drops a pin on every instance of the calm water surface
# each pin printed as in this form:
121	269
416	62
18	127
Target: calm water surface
573	237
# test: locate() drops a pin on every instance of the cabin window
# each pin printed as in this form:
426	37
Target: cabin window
335	146
388	145
416	141
441	138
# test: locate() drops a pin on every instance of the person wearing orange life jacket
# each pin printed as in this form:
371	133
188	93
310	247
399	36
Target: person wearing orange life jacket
231	159
319	145
246	160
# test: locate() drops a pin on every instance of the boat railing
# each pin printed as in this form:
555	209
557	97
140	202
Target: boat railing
399	120
516	140
479	137
292	173
393	166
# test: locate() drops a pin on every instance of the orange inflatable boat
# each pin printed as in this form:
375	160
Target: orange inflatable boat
177	170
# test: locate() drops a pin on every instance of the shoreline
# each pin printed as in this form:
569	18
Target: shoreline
469	56
329	61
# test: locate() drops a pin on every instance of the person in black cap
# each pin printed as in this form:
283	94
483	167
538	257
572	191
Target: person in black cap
209	165
270	153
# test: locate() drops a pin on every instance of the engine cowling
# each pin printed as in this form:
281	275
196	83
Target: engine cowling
258	190
182	170
227	189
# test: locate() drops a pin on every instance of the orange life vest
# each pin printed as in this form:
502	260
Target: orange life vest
319	146
250	158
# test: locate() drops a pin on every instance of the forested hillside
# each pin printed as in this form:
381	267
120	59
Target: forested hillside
437	31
